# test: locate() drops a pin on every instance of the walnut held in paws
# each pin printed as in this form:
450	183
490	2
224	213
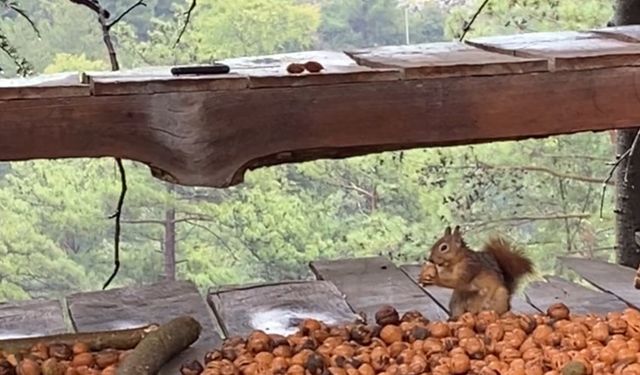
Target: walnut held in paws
428	274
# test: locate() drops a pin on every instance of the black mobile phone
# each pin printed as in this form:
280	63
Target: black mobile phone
215	68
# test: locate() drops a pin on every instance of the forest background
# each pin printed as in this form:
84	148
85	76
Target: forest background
56	237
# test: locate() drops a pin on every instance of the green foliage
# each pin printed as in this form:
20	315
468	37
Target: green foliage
55	235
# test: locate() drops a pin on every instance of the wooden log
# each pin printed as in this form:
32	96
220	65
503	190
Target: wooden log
97	341
160	346
279	307
209	131
157	303
370	283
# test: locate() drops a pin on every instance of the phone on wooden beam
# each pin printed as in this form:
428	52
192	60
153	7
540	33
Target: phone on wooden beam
215	68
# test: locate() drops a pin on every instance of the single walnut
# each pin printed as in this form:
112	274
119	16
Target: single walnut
295	68
558	311
192	368
313	66
428	274
387	315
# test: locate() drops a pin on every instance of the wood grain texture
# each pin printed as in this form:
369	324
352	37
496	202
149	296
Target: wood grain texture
31	319
628	33
611	278
279	307
271	71
370	283
135	307
579	299
449	59
43	86
212	138
442	295
568	50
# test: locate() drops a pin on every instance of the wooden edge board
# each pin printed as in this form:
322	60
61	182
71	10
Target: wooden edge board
614	279
32	318
279	307
627	33
157	85
579	299
446	59
329	77
565	50
369	283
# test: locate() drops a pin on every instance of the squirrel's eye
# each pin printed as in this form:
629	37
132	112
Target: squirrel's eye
444	247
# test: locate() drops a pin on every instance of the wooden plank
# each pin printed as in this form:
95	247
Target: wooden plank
262	71
43	86
147	85
32	318
449	59
579	299
157	303
629	33
278	308
569	50
611	278
212	138
370	283
518	302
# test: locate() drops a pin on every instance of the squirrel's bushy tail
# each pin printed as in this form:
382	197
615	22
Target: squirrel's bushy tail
511	259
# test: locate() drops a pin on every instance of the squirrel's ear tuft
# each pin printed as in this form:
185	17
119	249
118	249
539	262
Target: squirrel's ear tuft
447	231
456	231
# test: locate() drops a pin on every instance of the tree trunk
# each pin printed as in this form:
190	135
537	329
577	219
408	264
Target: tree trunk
627	205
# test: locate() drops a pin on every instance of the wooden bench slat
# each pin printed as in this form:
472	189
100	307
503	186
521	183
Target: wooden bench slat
449	59
278	307
157	303
611	278
32	318
568	50
370	283
518	303
628	33
579	299
43	86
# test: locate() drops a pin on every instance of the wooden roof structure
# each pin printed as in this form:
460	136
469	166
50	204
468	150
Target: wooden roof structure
208	130
335	292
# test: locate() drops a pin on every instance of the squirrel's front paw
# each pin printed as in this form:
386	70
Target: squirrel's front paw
428	274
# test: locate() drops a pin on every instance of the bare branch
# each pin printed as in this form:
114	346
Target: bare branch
529	218
611	171
163	222
186	22
117	215
15	8
468	25
216	235
121	16
94	5
632	150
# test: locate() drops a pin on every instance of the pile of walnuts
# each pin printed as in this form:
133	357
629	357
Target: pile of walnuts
61	359
487	344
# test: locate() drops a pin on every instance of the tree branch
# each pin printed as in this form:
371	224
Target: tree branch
162	222
121	16
103	15
186	22
532	218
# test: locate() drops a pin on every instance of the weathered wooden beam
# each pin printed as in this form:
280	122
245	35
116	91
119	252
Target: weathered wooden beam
209	130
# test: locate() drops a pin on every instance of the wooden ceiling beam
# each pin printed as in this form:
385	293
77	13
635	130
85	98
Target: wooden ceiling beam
208	131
